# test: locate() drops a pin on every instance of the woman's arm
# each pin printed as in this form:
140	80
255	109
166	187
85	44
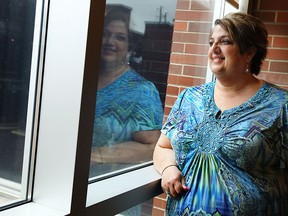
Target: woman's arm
173	183
140	149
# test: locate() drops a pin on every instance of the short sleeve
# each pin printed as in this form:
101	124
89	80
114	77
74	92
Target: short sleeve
149	109
174	115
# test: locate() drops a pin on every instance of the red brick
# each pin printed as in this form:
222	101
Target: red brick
191	37
194	15
175	69
273	5
277	29
189	81
195	71
172	79
188	59
282	16
177	47
276	78
172	90
280	42
265	16
200	27
170	100
183	4
180	26
197	49
202	5
167	110
265	65
279	66
158	212
277	54
160	203
270	39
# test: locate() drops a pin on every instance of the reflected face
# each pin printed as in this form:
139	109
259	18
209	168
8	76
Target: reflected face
115	43
224	56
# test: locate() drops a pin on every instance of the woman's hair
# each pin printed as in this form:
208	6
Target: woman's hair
119	15
247	32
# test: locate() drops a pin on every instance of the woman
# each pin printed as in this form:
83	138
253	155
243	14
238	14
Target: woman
129	112
224	147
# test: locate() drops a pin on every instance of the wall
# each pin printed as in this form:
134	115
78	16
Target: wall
274	14
188	62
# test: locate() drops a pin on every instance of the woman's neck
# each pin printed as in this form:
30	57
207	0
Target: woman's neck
236	83
231	94
108	75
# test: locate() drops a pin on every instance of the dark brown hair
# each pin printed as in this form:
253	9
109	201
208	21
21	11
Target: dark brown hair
119	15
247	32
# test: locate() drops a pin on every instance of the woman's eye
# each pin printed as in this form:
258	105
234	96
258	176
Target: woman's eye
211	43
121	37
226	42
106	34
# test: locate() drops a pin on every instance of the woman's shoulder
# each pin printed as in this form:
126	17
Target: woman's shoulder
205	89
132	75
277	91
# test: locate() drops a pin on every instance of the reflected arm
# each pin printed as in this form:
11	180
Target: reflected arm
136	151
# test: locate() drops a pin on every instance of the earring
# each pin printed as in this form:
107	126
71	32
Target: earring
128	58
247	68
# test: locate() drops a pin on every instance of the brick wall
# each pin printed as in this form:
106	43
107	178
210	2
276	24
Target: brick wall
274	14
188	62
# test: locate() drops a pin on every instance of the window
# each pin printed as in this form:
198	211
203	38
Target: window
18	88
132	81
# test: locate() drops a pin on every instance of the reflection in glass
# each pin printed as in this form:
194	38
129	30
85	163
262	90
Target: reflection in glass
128	108
16	39
131	87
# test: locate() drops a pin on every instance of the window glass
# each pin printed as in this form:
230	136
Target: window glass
16	44
136	46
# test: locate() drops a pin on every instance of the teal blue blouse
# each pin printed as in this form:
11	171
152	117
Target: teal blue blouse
129	104
234	163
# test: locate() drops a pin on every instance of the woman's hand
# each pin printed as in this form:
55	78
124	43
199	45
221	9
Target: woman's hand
173	183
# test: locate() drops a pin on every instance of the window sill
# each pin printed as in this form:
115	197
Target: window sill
143	184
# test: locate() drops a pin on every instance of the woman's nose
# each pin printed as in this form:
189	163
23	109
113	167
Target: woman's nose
109	38
215	48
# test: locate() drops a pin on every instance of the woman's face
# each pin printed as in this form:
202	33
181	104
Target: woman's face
224	56
115	43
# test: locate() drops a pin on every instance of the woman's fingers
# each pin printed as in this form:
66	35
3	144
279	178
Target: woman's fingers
173	183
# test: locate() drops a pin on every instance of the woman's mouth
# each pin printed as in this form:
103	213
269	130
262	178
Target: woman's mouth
218	59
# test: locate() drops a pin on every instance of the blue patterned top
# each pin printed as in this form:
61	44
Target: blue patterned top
235	164
131	103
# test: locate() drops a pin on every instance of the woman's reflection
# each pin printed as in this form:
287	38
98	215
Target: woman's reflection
128	109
